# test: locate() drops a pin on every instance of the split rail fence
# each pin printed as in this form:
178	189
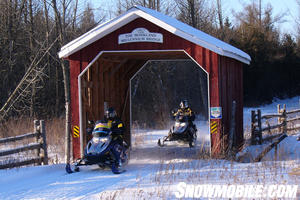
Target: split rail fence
39	134
261	124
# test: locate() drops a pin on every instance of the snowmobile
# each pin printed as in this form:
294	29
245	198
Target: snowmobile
99	151
183	130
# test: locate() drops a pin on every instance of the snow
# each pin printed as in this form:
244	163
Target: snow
154	172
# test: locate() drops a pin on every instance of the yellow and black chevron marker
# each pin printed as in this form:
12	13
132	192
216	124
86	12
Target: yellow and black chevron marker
76	131
213	127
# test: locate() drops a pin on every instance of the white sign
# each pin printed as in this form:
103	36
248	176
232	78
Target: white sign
140	35
216	112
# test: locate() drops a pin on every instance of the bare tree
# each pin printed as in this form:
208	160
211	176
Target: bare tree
60	26
197	13
124	5
220	17
298	26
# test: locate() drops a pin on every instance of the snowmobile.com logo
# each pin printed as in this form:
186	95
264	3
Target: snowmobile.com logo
236	191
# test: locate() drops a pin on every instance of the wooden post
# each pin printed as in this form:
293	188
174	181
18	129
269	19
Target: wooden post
36	129
253	127
284	119
232	137
279	118
259	126
43	132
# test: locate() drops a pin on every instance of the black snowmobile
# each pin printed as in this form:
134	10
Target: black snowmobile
183	130
100	151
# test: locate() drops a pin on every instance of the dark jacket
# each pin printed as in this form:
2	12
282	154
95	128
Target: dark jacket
116	125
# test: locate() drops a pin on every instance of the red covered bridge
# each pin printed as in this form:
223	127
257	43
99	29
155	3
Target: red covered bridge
103	60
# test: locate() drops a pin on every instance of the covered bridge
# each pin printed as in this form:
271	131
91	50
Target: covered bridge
103	60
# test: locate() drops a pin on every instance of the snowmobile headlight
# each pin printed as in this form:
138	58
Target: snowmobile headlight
183	124
96	139
103	139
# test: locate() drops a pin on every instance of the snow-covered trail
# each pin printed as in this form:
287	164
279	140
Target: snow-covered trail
52	182
152	173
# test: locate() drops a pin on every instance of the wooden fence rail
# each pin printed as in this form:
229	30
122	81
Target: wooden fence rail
40	143
282	123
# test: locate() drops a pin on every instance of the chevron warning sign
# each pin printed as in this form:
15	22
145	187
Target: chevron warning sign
213	127
76	131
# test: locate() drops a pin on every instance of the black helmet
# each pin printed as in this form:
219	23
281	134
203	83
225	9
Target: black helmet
184	104
110	113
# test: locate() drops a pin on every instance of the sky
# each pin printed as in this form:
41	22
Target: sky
289	7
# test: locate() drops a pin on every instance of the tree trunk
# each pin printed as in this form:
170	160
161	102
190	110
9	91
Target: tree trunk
60	29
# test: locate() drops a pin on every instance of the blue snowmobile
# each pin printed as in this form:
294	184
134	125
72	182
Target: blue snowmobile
102	151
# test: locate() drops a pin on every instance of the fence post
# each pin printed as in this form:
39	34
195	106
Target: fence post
37	130
279	120
284	116
275	153
43	132
253	127
259	126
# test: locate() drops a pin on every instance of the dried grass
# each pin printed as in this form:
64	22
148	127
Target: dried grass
55	130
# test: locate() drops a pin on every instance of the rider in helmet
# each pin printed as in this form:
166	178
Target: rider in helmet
185	110
117	128
115	123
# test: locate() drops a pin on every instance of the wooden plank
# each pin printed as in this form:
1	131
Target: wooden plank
37	128
101	91
293	111
119	88
19	137
271	137
293	119
271	116
272	127
266	150
112	89
44	145
106	87
253	127
96	91
293	129
21	149
21	163
259	126
123	62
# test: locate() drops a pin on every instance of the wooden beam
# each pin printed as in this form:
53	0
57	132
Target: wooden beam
110	59
132	69
20	149
118	67
19	137
266	150
22	163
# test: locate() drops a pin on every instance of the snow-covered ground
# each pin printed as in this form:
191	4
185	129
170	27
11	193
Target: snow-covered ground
153	172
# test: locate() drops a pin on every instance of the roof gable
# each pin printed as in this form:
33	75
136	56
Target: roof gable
168	23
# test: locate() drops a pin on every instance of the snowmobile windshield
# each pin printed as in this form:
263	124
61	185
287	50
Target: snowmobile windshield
101	130
181	118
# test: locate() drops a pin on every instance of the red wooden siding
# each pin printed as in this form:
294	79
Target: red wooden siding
118	85
231	78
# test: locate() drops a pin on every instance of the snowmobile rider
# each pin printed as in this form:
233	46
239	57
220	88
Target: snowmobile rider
185	110
115	123
117	128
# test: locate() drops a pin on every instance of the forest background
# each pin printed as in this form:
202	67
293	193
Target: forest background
33	31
